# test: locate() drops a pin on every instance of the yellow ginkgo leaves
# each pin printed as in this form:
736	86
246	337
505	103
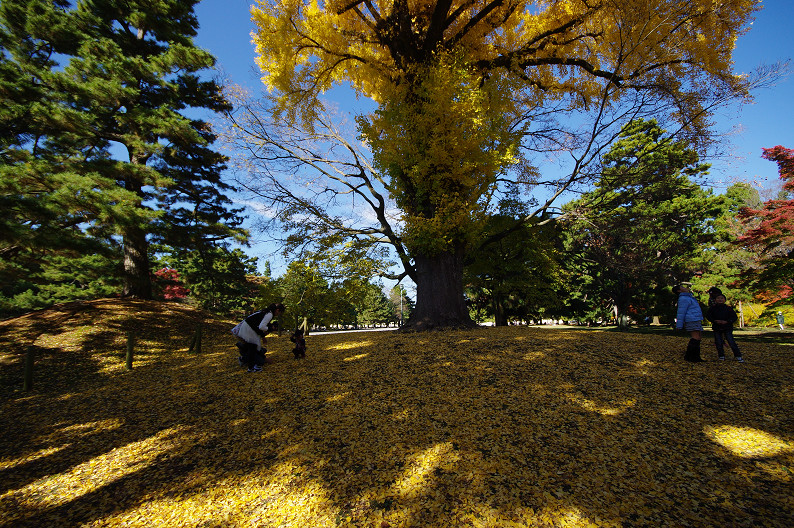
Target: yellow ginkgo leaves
374	429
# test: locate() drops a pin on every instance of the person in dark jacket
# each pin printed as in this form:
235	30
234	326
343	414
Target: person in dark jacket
689	317
251	332
722	318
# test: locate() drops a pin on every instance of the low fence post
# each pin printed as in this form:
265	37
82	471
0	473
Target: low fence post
130	347
195	346
27	382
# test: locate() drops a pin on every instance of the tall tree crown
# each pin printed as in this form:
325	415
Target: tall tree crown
546	48
84	78
458	81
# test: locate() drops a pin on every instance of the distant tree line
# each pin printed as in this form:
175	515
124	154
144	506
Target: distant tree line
311	300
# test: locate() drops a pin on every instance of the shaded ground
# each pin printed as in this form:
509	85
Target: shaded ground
747	334
488	427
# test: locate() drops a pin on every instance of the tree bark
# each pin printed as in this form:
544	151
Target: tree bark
440	302
137	280
499	311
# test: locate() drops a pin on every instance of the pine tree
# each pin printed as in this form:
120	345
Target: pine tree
639	230
137	70
375	307
216	277
52	248
99	143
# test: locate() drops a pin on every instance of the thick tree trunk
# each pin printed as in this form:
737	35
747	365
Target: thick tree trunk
621	316
440	302
137	280
499	311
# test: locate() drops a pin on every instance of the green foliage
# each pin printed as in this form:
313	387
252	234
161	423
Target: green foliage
87	270
347	266
721	260
217	278
513	276
196	210
80	79
268	291
375	308
329	301
339	309
49	195
641	227
305	293
402	306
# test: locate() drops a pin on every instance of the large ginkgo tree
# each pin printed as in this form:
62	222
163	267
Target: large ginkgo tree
471	96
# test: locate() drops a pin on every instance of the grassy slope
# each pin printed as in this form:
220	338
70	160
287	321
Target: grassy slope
489	427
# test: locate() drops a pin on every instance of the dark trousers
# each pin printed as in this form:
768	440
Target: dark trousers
723	335
251	356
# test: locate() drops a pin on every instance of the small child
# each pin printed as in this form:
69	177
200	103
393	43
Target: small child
300	344
713	292
722	318
689	317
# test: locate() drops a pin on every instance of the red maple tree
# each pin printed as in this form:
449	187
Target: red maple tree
771	232
168	282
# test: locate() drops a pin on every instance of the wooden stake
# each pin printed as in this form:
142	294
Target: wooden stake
130	346
27	383
741	315
198	339
195	345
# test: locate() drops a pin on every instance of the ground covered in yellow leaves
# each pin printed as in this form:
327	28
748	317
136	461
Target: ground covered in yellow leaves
492	427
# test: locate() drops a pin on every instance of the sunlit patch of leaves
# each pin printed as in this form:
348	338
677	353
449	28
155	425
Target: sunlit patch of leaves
486	427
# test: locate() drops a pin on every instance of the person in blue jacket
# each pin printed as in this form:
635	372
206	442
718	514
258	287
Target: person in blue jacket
689	317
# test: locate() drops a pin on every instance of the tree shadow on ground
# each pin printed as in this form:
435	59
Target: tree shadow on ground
748	334
486	426
74	411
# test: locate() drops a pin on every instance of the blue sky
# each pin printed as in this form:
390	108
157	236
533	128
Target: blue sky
225	27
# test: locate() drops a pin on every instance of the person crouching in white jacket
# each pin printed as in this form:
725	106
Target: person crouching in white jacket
251	333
